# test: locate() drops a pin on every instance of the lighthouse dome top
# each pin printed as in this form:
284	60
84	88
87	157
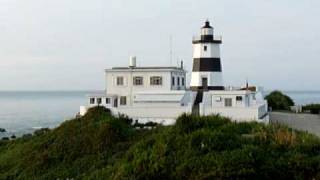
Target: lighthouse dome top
207	30
207	25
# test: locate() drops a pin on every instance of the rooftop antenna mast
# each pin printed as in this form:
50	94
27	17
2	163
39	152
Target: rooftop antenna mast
247	84
171	52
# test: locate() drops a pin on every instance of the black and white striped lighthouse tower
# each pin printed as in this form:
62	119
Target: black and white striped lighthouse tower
207	69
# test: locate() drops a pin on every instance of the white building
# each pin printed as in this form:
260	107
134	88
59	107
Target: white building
159	94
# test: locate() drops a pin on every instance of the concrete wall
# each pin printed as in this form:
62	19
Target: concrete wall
152	112
251	108
214	78
235	113
213	50
128	89
164	115
163	108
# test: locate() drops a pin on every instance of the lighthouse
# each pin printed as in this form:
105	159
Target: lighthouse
207	69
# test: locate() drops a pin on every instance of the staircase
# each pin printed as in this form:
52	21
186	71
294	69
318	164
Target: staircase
196	104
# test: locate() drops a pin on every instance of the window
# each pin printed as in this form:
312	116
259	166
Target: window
182	81
156	80
205	48
228	102
123	100
137	80
107	100
173	81
218	99
239	98
120	81
92	100
178	81
99	100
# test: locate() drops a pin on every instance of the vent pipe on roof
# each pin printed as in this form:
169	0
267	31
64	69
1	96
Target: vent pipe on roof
133	62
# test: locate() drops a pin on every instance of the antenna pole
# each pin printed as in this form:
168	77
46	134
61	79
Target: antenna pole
171	53
247	84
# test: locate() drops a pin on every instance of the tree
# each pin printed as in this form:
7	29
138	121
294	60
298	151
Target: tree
279	101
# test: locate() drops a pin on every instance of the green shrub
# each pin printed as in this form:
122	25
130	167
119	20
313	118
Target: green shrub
313	108
101	146
41	131
279	101
187	123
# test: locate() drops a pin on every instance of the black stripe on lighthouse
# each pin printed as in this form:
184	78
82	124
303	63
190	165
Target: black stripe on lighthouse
206	64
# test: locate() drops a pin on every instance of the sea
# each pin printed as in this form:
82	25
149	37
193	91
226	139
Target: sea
23	112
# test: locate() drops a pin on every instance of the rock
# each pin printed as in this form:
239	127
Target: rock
2	130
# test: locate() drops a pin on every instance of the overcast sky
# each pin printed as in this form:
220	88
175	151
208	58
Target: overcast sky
67	44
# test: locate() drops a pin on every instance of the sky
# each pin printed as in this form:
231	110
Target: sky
67	44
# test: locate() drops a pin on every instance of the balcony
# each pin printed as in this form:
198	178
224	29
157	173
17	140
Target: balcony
201	39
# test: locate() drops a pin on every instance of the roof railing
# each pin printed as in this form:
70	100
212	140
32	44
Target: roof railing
198	38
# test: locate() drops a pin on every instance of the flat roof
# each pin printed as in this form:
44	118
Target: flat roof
146	68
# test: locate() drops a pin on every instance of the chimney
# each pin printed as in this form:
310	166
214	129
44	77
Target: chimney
133	62
181	64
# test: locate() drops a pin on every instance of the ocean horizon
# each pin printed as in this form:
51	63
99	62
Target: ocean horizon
23	112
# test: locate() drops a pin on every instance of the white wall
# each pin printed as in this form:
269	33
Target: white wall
128	89
214	78
112	88
213	50
240	110
165	115
235	113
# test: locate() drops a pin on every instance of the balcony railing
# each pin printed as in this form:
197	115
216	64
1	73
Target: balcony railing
198	38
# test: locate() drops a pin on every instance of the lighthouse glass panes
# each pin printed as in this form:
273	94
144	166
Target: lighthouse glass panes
137	80
156	80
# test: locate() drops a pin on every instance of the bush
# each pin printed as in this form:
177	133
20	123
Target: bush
5	138
146	125
101	146
279	101
313	108
41	131
188	123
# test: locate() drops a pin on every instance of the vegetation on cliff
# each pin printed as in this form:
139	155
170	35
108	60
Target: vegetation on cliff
312	108
279	101
100	146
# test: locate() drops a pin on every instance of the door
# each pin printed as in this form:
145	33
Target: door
205	83
115	103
